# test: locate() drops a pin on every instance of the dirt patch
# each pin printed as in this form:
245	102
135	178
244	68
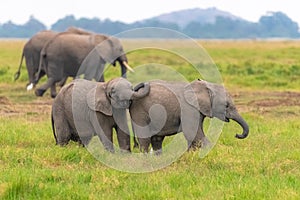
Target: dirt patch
245	101
6	107
262	102
4	100
275	99
34	108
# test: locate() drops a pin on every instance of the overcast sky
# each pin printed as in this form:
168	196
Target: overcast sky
48	12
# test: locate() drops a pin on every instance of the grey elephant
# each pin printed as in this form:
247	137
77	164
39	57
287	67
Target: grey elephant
84	108
64	56
31	52
173	107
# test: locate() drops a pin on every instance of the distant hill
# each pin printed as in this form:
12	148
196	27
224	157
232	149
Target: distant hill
195	23
202	16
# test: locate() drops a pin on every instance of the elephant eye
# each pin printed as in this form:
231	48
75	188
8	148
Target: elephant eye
113	90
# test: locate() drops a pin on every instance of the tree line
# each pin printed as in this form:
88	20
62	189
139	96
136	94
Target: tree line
276	24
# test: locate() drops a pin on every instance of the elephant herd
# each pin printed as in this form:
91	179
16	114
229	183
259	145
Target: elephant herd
84	108
157	109
62	55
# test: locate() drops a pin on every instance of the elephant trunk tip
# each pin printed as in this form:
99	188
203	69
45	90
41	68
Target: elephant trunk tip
139	92
244	125
242	136
245	132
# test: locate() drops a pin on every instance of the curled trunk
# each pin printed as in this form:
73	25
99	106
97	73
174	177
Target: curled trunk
141	90
244	125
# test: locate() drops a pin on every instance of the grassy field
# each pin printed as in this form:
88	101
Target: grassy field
263	78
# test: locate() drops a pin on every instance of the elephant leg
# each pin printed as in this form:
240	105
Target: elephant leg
200	140
199	137
103	126
99	74
156	142
39	76
63	131
105	134
142	131
107	139
123	140
53	91
75	137
62	82
41	90
84	141
144	144
192	122
101	79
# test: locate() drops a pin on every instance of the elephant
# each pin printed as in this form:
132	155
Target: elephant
64	56
83	108
32	50
173	107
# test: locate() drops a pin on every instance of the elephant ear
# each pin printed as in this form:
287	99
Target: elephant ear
197	95
105	50
218	97
98	101
209	98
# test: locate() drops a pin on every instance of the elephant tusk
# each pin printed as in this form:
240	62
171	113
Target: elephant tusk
127	66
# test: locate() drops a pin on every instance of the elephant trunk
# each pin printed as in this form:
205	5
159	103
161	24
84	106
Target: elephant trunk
243	124
124	65
139	92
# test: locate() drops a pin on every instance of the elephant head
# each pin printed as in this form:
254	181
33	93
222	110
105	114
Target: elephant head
212	100
115	94
111	50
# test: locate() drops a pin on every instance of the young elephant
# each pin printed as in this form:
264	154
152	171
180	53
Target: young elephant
173	107
84	108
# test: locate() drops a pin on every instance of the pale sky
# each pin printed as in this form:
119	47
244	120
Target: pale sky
48	12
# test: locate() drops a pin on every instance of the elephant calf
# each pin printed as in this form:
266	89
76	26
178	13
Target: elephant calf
173	107
84	108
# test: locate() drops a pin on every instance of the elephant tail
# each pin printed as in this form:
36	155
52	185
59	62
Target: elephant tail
53	127
18	73
42	58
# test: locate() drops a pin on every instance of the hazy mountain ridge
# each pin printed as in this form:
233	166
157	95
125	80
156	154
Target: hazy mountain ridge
202	16
196	23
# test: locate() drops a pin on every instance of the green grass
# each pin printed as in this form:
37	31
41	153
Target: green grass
263	166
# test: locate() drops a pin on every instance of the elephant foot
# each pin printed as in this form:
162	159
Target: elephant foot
206	146
158	152
124	151
39	92
110	150
204	143
53	95
195	145
135	146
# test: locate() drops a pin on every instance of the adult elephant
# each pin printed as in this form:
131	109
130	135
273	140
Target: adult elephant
31	53
32	50
84	107
64	56
181	107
